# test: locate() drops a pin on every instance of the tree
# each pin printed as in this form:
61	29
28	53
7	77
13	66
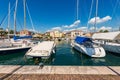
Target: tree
3	33
106	31
101	31
11	32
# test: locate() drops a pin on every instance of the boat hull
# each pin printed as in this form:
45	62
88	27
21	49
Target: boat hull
16	50
112	48
92	52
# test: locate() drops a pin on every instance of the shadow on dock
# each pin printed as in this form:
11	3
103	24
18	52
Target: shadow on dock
113	70
10	74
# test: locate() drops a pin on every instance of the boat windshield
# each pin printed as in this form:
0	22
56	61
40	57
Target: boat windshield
88	44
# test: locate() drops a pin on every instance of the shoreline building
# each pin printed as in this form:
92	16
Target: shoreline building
56	34
72	34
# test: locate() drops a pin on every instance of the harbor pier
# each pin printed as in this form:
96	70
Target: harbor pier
10	72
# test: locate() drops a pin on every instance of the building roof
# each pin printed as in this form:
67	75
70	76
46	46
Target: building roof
107	36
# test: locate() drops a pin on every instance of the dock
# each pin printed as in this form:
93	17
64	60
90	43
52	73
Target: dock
10	72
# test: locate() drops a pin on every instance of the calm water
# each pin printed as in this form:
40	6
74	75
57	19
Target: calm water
64	55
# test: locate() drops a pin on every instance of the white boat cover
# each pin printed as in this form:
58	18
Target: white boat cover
107	36
45	45
42	49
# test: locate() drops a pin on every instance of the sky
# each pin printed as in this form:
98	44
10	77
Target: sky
62	14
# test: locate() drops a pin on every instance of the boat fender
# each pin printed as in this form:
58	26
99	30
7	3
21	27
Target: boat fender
41	65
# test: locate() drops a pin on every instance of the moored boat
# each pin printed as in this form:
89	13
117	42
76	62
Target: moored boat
42	50
109	41
14	46
17	44
86	46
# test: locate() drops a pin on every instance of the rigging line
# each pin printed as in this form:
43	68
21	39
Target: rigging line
18	20
90	14
5	17
115	8
30	17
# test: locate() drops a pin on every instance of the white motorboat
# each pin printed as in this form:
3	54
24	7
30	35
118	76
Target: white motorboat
42	50
109	41
86	46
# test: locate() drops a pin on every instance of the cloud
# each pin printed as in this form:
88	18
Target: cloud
75	24
82	28
99	20
48	30
66	30
93	28
56	28
101	28
72	29
105	28
65	26
32	30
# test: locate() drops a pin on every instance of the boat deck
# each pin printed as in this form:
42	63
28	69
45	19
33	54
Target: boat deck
9	72
42	49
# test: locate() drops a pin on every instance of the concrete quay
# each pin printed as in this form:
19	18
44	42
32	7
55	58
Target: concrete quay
88	72
112	70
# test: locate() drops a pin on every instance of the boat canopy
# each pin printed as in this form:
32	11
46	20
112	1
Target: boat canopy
107	36
81	40
21	37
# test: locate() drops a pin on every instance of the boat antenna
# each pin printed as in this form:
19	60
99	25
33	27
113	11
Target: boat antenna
24	3
90	13
15	17
95	25
9	21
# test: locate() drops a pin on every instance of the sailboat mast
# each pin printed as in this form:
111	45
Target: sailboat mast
15	17
24	2
96	15
77	8
9	20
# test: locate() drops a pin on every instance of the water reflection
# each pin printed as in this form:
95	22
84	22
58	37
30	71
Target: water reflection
86	60
65	55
